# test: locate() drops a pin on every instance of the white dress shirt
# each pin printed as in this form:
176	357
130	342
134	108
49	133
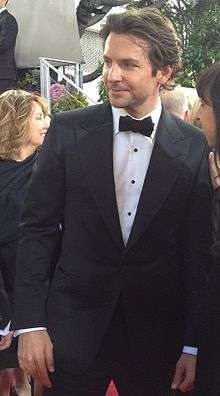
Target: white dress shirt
131	157
3	9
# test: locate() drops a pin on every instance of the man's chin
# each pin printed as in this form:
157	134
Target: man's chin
118	103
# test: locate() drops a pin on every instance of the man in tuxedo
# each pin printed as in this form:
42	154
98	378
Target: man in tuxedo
130	183
8	35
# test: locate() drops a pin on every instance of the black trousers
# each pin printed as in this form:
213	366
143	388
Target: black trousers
114	361
8	357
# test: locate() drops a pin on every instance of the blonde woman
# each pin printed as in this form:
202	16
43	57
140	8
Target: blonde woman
23	126
194	117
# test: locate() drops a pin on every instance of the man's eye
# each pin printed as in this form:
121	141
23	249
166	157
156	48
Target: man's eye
107	62
129	65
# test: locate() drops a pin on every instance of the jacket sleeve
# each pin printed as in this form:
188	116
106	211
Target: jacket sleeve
4	305
216	223
210	324
196	240
8	33
39	226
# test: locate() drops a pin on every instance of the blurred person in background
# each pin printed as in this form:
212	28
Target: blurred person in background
24	122
175	101
8	35
208	88
194	117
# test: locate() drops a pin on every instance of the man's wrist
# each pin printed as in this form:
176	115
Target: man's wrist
29	330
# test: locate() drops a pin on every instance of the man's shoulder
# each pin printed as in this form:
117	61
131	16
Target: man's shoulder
6	14
188	130
84	117
7	17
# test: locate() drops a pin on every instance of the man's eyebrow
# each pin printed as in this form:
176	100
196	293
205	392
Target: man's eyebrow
130	59
123	59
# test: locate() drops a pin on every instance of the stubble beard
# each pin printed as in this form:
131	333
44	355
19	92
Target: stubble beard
119	101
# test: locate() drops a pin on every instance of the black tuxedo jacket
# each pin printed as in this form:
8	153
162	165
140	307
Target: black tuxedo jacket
8	35
161	273
4	305
8	357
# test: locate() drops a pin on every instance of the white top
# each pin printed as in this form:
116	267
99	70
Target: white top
131	156
2	9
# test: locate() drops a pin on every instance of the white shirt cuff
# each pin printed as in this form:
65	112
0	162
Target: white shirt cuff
190	350
23	331
5	331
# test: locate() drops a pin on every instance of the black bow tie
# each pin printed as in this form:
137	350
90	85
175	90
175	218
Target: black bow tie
145	126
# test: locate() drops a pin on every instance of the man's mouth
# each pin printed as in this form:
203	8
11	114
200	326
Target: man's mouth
118	89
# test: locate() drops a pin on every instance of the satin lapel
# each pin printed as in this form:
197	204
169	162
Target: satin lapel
95	145
168	154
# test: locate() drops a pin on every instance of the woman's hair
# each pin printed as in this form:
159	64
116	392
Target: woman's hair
15	112
208	88
156	32
193	118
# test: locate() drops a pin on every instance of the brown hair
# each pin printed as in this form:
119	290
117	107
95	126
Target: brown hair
149	25
15	113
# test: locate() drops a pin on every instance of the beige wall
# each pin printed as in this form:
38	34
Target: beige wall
47	28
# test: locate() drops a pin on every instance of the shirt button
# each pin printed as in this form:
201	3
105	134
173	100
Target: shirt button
135	150
133	181
129	213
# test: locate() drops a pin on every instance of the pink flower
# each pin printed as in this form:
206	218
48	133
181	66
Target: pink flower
57	90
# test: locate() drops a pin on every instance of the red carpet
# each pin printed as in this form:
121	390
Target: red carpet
111	390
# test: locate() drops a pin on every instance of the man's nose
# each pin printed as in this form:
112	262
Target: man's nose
115	73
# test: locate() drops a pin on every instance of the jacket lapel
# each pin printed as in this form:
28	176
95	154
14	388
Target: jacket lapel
3	14
170	149
95	145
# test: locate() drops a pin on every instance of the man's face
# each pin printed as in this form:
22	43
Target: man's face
127	75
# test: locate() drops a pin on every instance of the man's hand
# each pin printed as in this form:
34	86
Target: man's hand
35	355
184	376
5	341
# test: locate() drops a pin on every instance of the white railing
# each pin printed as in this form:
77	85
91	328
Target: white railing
45	80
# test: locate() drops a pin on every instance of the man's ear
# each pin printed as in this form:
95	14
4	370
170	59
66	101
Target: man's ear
164	74
186	116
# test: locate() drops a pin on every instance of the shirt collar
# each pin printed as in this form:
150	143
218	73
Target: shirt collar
3	9
154	114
